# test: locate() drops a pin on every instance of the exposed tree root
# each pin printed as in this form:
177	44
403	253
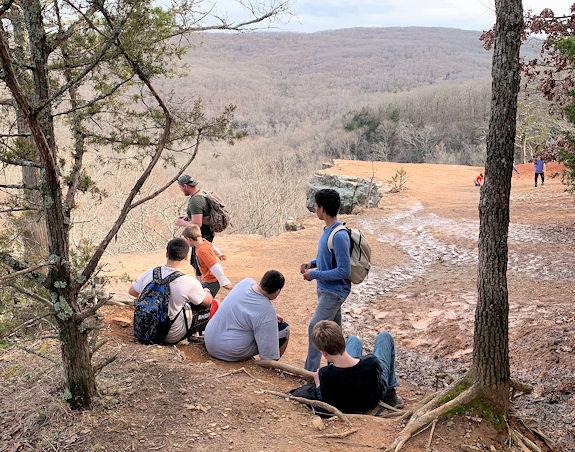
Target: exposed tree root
434	400
314	403
430	412
337	435
522	441
240	370
270	364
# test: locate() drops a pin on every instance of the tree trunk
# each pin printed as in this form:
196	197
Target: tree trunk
76	362
490	349
524	147
34	233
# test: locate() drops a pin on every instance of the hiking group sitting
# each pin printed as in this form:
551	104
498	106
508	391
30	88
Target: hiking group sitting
173	306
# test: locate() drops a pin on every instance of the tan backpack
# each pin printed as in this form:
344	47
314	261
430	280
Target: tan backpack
359	253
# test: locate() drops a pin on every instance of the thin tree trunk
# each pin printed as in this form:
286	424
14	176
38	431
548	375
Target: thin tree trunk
35	233
491	349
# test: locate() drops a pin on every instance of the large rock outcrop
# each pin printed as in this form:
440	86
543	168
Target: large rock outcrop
354	192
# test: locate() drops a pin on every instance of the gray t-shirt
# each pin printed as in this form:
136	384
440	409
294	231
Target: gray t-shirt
245	325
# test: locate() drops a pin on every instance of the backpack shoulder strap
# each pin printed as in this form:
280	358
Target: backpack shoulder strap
157	275
341	227
174	275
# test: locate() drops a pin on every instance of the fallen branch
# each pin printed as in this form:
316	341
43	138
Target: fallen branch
521	387
270	364
389	407
99	367
314	403
431	435
237	371
337	435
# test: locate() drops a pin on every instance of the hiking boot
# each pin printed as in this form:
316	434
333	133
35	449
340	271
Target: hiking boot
392	399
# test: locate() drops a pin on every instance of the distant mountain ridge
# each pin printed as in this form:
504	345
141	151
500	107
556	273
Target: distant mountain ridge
264	70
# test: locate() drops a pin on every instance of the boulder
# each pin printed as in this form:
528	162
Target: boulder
352	191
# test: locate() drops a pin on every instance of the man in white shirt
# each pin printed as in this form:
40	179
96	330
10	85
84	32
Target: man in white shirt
185	290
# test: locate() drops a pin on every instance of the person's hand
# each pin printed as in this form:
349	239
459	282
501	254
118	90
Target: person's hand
316	378
180	221
306	275
206	290
304	267
222	257
280	318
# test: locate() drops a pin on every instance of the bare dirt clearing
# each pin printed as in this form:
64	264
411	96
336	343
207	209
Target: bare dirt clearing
422	290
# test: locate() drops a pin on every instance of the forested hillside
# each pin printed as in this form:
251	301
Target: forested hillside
428	90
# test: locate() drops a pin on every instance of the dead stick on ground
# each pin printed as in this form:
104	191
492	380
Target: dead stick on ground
270	364
389	407
431	435
178	354
315	403
237	371
337	435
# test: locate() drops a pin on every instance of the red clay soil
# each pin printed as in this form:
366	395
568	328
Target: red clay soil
422	290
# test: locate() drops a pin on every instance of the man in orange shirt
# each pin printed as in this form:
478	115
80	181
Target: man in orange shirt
212	274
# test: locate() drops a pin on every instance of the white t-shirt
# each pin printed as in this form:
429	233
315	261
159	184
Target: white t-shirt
184	289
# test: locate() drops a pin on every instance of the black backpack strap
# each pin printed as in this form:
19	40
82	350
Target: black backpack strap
157	275
172	276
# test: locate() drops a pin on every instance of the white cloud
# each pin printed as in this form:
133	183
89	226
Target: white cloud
316	15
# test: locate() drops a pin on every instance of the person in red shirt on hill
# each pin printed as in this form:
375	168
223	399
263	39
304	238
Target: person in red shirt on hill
479	180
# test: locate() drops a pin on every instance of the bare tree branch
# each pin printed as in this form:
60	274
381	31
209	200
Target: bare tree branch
91	310
26	323
6	4
34	296
174	179
8	102
19	187
6	278
20	162
19	209
116	30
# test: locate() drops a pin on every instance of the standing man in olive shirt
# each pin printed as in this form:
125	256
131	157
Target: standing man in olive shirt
198	212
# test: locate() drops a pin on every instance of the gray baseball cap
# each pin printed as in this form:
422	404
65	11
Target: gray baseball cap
186	179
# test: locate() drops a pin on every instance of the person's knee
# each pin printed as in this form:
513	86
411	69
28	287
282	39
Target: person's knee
384	338
353	340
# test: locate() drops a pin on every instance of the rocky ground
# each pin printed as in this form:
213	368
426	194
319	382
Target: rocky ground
422	289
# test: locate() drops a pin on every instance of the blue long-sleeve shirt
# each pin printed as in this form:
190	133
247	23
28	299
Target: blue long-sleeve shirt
329	278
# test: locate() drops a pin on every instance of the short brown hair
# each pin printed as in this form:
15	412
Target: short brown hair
326	336
192	232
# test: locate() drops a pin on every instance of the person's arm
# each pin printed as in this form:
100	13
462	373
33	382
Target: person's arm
218	272
218	253
207	299
133	292
343	265
182	222
267	339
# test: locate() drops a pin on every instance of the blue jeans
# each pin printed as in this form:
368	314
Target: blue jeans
328	308
384	350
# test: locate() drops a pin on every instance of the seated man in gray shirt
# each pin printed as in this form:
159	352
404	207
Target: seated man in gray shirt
246	324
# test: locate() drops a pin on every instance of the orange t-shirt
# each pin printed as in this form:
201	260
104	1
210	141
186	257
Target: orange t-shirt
208	259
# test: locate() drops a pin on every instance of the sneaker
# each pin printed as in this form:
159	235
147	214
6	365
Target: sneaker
196	340
542	184
392	399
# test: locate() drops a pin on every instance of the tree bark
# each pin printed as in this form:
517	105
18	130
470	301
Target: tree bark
490	349
35	234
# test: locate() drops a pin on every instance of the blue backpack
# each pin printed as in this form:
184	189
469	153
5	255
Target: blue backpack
151	321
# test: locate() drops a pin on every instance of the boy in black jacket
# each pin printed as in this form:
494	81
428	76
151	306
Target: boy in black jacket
351	382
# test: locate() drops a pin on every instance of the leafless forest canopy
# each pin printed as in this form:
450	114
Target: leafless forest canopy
424	92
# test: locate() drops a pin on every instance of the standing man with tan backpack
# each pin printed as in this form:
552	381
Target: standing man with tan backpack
333	285
204	209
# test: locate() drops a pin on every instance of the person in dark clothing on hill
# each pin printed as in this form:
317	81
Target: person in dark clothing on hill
351	382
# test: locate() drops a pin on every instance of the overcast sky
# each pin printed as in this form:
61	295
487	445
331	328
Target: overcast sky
318	15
